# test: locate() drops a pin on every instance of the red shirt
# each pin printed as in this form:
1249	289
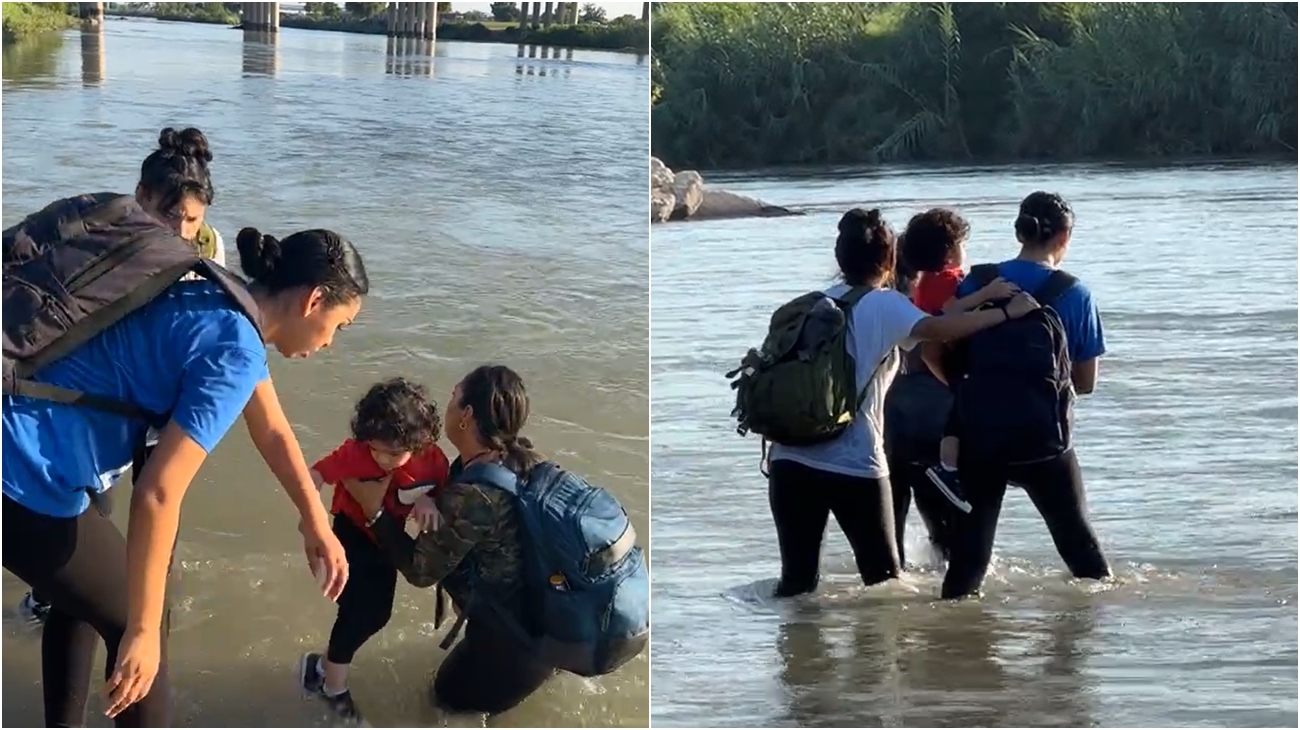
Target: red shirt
935	289
352	460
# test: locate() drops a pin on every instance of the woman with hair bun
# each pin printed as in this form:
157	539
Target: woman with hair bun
196	352
849	475
1055	485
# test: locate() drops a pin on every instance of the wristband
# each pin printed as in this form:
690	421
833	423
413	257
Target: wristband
371	522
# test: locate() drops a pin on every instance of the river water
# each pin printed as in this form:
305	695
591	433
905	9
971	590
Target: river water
1188	449
499	203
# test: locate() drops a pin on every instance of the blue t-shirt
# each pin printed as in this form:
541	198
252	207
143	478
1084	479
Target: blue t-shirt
1075	306
190	352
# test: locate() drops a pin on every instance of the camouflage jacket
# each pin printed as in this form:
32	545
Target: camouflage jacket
479	535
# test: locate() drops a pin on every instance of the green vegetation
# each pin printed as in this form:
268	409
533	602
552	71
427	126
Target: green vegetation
215	13
745	85
23	20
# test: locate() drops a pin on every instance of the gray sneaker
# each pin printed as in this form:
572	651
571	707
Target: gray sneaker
312	681
946	481
32	609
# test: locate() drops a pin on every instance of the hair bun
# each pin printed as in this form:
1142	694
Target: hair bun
259	254
189	142
873	217
1029	227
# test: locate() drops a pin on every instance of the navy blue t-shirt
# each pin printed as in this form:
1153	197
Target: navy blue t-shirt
190	352
1075	306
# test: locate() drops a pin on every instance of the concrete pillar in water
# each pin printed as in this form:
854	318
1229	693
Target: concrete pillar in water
548	15
537	9
431	34
417	22
408	20
92	54
392	19
91	13
645	12
273	22
574	12
523	15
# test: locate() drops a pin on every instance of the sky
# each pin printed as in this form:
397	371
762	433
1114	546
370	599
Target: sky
612	10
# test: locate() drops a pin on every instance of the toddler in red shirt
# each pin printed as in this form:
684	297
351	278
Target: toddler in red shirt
935	246
395	431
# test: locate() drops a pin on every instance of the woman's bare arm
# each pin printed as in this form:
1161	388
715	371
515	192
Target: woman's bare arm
1084	375
154	520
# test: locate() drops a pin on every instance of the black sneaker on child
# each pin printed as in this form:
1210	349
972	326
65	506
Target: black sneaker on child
312	680
946	481
32	609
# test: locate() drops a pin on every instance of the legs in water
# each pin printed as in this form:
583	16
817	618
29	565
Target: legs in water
487	672
802	498
1056	489
364	609
79	565
909	481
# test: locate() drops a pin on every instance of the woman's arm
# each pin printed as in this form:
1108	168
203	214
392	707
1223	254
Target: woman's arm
1084	375
467	517
957	326
153	522
271	433
997	289
932	354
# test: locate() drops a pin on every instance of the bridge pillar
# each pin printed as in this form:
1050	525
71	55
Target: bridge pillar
261	16
645	12
91	13
417	27
431	28
548	15
537	10
408	20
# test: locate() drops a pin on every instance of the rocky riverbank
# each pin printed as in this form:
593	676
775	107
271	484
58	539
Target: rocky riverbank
682	196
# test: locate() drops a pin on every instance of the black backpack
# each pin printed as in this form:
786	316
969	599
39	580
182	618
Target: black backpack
80	266
1013	394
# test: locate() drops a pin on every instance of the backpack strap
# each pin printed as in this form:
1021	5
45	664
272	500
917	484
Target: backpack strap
853	295
491	474
1058	282
984	274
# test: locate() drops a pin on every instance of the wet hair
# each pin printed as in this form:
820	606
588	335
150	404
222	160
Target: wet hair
500	409
864	249
178	169
399	413
1042	217
314	258
932	238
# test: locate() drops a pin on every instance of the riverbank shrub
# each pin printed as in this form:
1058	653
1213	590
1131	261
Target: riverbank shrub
756	84
23	20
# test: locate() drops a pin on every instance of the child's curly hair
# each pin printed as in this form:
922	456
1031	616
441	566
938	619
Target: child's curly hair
399	413
932	238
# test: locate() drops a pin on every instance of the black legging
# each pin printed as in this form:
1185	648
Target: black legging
802	498
488	671
916	408
102	501
366	603
1056	489
79	565
941	519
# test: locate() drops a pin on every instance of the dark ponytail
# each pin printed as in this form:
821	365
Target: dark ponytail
177	170
500	407
864	248
313	258
1043	216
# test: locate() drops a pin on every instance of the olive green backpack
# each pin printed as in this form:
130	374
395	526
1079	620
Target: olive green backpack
799	388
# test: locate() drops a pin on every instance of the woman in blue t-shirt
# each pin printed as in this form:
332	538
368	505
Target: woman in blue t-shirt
1043	229
191	353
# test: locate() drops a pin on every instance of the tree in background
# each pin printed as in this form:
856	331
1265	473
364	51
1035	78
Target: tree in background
592	13
505	12
322	10
365	10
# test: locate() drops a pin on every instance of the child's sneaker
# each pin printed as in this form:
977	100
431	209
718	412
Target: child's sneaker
946	480
32	610
312	680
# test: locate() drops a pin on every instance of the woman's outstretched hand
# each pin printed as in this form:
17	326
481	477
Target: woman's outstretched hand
138	656
326	559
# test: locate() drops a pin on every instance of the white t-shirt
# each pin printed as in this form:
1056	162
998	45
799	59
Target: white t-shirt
881	321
